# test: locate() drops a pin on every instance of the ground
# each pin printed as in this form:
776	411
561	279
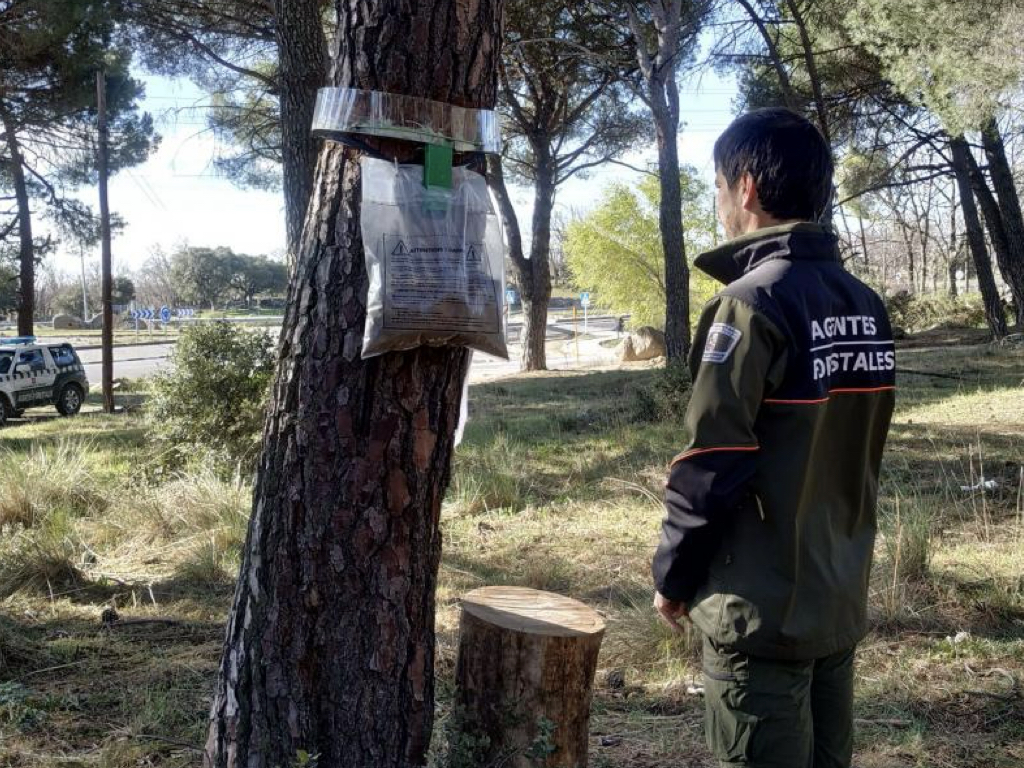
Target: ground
557	486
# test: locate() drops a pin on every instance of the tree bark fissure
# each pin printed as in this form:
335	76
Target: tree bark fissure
330	644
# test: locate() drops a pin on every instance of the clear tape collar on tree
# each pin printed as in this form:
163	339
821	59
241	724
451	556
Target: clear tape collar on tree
350	110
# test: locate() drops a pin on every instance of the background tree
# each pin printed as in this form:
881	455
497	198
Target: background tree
262	63
67	296
838	64
155	283
615	249
564	114
253	275
662	35
50	51
975	238
330	644
945	57
202	275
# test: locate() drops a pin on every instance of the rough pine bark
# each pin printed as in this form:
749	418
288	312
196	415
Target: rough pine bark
976	239
302	60
330	643
26	251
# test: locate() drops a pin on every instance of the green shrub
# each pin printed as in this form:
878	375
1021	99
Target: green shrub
665	398
215	395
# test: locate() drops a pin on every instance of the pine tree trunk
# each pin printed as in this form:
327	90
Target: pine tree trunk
658	67
954	289
670	222
535	322
1010	210
976	240
302	58
533	276
535	302
26	250
330	643
994	224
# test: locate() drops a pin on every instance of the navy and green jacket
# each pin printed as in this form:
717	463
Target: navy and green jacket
771	508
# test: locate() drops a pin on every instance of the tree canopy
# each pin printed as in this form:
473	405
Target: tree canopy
210	276
615	250
50	54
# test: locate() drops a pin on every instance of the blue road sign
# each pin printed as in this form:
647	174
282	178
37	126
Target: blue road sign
165	314
584	299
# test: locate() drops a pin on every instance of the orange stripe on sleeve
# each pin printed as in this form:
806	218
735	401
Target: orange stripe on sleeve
818	401
855	390
696	451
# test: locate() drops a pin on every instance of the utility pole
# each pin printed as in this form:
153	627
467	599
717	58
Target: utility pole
107	341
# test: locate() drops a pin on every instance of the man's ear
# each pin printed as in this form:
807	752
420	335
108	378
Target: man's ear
748	193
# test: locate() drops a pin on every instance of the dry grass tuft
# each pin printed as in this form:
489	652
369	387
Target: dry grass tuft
41	559
51	478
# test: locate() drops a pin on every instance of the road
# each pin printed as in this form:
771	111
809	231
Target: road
144	360
134	362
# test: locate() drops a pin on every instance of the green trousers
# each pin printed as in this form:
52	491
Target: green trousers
766	713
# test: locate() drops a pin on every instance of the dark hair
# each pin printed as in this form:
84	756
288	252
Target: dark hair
788	157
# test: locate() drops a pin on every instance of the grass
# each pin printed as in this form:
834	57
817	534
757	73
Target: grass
556	486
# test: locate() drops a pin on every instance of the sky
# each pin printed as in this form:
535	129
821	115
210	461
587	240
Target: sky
178	197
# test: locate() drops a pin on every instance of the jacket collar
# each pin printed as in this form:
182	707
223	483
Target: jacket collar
735	258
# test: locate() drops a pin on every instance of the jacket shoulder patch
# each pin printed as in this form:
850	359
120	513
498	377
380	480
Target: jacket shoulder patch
722	341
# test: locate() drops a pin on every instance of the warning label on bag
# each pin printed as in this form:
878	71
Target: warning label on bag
439	282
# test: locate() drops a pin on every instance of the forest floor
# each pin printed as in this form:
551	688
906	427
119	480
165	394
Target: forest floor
557	486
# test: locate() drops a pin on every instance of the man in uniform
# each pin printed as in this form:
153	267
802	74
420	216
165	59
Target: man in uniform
770	525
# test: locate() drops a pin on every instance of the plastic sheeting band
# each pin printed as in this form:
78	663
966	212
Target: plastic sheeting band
350	110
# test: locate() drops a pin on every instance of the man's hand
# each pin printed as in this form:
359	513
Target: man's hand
669	611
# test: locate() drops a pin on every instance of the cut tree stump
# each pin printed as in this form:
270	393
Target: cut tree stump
523	679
